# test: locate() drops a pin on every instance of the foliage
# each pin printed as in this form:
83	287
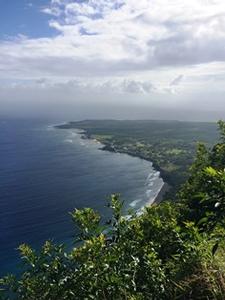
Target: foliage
174	250
204	191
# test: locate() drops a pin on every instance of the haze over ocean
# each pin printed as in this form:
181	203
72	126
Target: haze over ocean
45	173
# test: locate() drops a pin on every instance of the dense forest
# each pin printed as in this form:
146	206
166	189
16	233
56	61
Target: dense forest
174	250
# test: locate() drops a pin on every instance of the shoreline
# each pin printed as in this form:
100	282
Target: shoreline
109	148
160	197
165	188
105	147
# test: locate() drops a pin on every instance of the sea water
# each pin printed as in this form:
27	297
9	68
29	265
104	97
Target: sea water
46	172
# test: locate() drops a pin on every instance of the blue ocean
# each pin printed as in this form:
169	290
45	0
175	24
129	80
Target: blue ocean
46	172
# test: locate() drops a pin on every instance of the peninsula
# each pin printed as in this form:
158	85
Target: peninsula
169	145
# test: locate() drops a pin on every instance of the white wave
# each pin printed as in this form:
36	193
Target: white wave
150	176
148	193
68	141
53	125
135	202
73	134
50	127
140	211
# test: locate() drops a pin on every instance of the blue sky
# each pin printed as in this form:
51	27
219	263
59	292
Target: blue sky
24	17
149	54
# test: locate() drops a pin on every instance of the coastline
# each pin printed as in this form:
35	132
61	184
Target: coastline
111	148
160	197
106	147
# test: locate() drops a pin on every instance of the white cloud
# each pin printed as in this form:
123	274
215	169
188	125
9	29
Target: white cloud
54	11
110	37
126	46
137	87
177	80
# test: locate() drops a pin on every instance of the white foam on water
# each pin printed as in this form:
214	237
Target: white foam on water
68	141
148	192
73	134
150	176
50	128
135	202
83	143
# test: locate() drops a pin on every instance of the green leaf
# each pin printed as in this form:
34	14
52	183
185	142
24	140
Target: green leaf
214	249
202	220
211	171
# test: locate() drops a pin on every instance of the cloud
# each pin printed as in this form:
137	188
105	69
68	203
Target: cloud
176	81
105	37
54	11
137	87
41	81
73	99
120	51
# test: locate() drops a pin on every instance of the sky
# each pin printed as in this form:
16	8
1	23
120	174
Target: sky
127	59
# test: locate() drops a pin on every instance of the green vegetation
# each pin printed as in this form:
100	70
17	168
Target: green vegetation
174	250
170	145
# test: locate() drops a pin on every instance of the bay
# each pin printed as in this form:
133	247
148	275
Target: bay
45	173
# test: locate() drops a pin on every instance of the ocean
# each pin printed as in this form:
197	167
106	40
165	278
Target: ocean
46	172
